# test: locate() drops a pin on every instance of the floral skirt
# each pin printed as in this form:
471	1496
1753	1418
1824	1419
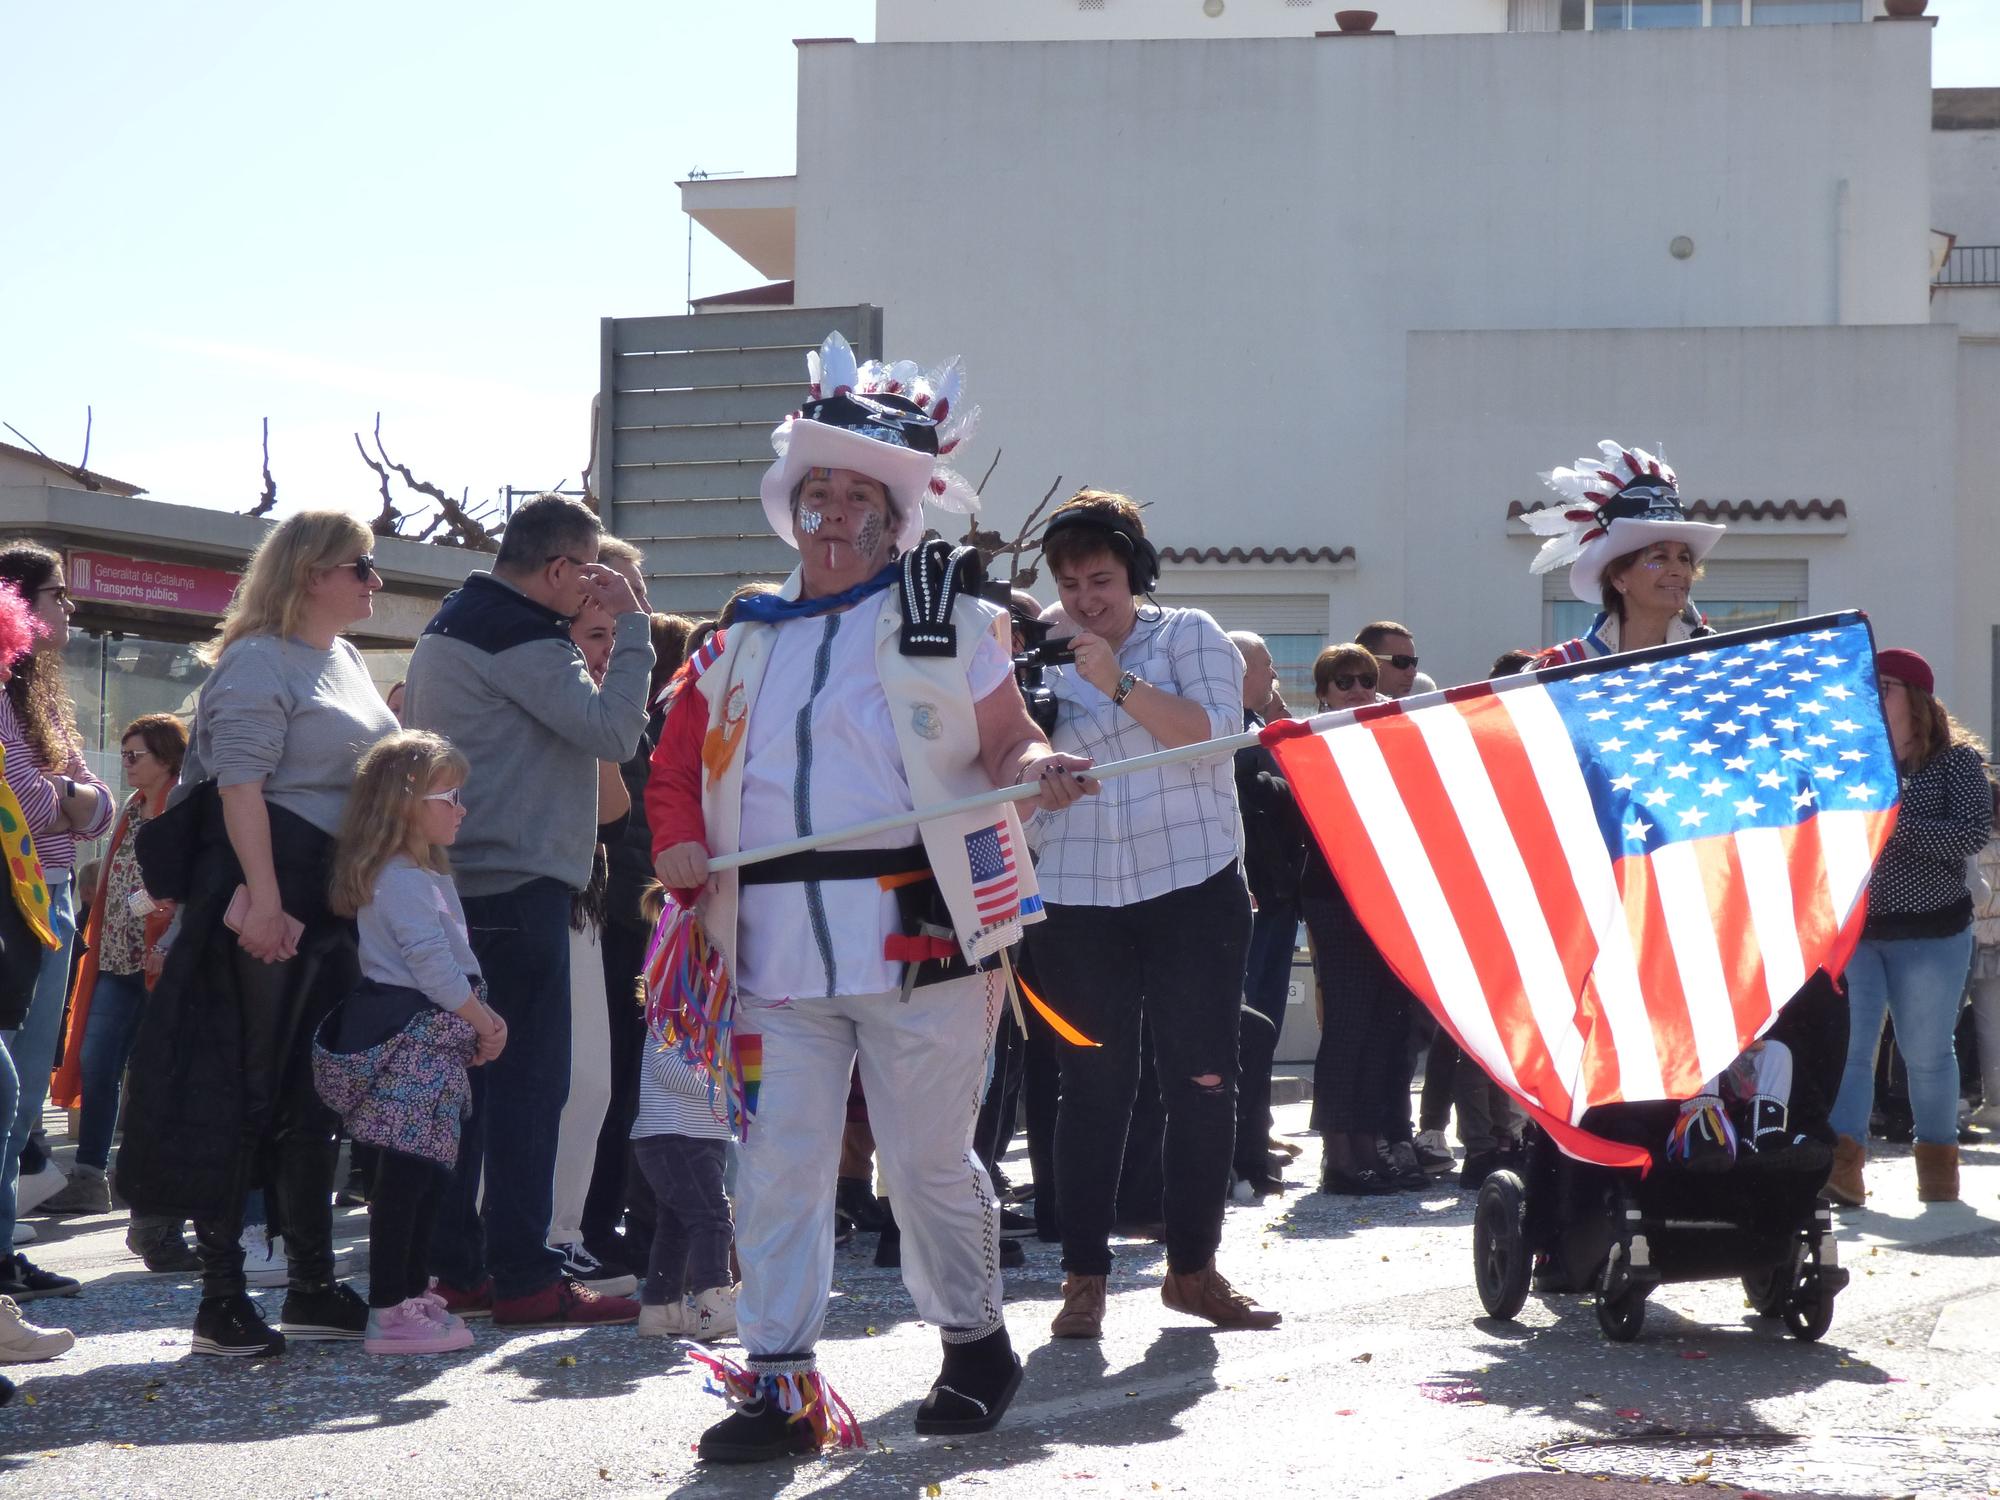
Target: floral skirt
393	1066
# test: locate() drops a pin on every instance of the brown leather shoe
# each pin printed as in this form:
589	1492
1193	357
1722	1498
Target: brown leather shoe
1843	1184
1205	1294
1937	1173
1082	1315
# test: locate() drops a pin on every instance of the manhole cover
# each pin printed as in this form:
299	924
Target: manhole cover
1845	1463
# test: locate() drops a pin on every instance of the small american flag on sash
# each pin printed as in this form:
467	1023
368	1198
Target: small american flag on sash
996	888
982	868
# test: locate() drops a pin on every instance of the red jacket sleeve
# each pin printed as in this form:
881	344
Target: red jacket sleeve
673	789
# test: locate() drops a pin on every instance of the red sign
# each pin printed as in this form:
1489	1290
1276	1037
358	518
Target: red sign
105	578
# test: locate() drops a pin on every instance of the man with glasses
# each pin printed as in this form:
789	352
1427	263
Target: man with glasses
1393	647
497	674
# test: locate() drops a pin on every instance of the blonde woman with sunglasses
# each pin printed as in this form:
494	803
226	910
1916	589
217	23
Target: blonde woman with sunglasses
220	1092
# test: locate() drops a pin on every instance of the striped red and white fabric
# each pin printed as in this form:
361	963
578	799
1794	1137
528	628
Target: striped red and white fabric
1605	880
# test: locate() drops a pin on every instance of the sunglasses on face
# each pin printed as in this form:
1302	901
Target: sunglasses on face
364	567
1402	663
449	795
133	757
1348	681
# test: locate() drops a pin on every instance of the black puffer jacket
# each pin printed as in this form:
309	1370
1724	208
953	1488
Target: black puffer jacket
186	1152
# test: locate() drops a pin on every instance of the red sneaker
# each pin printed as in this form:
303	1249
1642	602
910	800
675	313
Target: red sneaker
564	1304
476	1303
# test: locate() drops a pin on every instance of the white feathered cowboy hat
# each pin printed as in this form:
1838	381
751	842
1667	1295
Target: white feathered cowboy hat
1617	504
895	423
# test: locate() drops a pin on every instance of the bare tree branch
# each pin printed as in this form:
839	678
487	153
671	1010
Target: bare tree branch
390	521
78	475
269	499
89	421
464	529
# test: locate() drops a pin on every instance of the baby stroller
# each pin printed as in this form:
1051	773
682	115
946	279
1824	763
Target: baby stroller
1573	1227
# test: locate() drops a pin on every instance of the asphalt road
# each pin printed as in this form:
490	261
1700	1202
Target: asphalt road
1385	1380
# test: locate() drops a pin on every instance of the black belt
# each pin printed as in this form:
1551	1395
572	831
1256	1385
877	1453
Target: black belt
837	864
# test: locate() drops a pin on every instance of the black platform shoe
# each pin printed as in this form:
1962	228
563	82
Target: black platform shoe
973	1389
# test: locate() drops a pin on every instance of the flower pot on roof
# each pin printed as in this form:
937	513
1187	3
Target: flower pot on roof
1364	20
1905	10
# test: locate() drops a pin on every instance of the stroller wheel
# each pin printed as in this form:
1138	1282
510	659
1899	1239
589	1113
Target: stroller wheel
1808	1318
1621	1317
1769	1291
1500	1260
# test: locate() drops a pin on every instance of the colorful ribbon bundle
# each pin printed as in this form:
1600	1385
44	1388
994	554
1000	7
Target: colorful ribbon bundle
802	1394
1703	1135
691	1007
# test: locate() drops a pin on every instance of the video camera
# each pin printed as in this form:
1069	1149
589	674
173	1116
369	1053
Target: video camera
1041	653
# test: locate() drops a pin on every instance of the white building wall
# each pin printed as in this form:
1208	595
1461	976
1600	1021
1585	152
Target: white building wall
1190	270
1871	416
1148	20
1965	185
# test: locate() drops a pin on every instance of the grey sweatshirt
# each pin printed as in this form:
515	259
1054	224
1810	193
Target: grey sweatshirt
292	716
413	934
497	674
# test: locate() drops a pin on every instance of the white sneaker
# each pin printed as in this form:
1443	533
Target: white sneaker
711	1314
22	1342
666	1321
264	1262
1242	1191
36	1188
24	1233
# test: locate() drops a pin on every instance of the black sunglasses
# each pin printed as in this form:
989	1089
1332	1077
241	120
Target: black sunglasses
364	567
1346	681
1402	663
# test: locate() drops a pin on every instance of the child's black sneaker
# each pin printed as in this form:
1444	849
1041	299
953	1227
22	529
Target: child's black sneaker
325	1312
233	1325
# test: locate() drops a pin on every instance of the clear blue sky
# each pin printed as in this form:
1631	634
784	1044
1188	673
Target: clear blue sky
226	211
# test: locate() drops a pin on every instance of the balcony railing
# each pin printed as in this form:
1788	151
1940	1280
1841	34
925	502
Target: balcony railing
1971	265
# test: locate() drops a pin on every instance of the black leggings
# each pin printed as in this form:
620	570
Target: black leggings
401	1207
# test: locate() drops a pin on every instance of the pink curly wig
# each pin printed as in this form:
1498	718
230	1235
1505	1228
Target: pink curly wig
19	630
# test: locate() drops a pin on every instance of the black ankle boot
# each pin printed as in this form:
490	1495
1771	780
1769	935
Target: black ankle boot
756	1434
974	1388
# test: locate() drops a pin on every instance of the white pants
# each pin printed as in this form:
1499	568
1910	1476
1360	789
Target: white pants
589	1087
923	1066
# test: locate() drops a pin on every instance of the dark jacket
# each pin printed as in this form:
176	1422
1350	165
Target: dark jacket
187	1152
1274	831
629	843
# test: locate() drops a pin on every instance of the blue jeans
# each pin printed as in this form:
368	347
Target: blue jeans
33	1046
115	1003
1919	981
521	939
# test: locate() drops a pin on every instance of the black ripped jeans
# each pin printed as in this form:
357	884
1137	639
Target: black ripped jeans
1176	962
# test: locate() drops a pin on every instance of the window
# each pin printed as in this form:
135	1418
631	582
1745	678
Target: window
1735	594
1293	626
1802	12
1293	656
1646	15
1725	13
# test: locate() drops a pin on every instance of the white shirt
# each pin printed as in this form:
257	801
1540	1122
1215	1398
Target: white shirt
822	754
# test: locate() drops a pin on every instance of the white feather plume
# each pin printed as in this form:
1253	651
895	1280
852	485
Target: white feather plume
836	368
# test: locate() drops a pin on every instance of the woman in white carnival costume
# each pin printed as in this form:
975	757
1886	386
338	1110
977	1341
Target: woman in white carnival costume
1632	551
863	687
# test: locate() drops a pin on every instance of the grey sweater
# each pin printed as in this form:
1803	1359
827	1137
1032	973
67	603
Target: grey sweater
413	934
292	716
497	675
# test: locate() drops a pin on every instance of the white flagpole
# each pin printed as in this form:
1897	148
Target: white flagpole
1198	751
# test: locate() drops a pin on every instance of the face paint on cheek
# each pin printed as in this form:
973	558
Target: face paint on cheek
869	537
810	521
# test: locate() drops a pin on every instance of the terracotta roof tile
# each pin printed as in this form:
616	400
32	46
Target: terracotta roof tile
1256	554
1739	510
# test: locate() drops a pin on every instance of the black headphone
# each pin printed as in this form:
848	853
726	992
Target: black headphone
1141	557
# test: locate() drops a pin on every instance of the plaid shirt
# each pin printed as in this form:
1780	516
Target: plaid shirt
1155	831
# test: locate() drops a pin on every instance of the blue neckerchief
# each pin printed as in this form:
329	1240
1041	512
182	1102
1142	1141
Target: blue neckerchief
770	609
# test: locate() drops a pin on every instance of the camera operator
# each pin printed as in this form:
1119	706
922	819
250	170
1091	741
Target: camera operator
1148	917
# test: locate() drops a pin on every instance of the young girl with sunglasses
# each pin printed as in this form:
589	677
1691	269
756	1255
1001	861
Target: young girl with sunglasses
392	1058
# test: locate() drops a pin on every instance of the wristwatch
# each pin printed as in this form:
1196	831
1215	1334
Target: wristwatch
1125	685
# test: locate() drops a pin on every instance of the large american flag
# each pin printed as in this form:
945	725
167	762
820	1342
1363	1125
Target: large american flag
1605	879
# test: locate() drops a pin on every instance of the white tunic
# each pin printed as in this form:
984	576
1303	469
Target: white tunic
822	754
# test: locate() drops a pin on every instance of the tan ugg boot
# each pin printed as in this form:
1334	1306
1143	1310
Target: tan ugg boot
1082	1314
1843	1184
1937	1173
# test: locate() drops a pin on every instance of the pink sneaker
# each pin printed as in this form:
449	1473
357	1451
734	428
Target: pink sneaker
407	1328
436	1308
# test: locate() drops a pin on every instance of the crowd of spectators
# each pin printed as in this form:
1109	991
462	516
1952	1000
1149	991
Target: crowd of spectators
585	1180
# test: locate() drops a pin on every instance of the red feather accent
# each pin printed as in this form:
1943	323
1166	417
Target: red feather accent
937	486
1632	463
813	390
1609	478
844	390
1593	534
943	408
894	387
923	400
1579	515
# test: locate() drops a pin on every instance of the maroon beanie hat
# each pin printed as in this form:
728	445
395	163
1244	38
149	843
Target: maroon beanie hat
1906	667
